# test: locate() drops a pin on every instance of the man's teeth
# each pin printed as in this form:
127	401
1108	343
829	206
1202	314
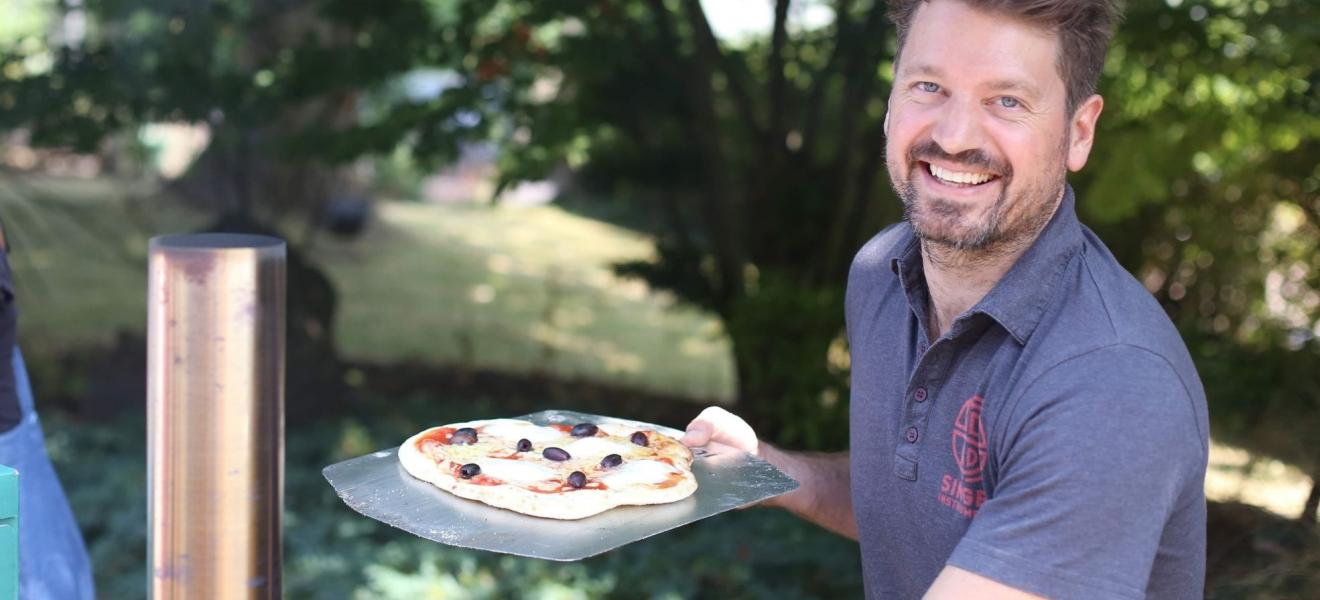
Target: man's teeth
959	177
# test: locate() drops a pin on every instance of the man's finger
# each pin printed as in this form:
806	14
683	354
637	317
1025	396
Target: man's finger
698	433
704	428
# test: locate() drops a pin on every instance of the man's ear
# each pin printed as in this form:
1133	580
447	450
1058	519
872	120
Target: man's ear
1081	131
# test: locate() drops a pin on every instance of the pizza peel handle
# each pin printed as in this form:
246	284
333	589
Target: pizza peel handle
378	487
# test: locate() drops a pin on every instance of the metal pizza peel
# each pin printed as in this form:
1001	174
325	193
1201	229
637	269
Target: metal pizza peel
377	486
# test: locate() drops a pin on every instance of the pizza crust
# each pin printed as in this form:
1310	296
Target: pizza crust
668	458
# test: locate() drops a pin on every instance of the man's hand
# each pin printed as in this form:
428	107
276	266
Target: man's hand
824	498
722	427
716	427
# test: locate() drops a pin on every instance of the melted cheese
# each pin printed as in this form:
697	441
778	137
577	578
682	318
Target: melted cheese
462	454
515	470
593	449
639	472
514	430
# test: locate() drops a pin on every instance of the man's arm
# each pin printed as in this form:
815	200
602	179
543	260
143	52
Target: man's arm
954	583
825	497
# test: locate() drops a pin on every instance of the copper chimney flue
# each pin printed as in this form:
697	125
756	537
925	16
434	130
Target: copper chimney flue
215	415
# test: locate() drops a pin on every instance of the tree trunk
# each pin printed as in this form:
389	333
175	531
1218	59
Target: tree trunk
244	170
239	174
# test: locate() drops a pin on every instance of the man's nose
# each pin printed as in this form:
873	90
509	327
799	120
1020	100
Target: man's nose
958	127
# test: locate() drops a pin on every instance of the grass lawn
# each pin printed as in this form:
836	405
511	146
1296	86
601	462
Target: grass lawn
78	251
508	288
518	289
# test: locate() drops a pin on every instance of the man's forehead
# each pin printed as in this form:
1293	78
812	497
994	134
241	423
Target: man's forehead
955	12
949	37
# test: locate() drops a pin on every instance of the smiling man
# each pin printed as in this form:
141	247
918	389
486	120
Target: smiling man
1026	421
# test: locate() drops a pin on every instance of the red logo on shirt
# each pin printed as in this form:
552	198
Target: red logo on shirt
965	494
969	440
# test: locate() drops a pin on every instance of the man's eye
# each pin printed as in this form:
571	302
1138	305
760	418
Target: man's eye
1009	102
928	87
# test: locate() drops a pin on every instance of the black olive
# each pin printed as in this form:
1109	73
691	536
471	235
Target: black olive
611	461
577	479
524	445
464	436
469	471
639	438
583	430
554	453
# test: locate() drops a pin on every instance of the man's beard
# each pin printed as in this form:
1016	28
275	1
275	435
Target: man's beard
983	235
988	234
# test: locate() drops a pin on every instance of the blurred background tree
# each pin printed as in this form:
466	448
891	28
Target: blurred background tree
274	82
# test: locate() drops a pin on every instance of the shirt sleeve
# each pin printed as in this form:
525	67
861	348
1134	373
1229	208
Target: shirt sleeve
1099	453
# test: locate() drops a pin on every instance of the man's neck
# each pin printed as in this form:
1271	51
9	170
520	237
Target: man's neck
957	279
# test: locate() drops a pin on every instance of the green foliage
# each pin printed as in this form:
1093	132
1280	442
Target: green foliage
103	471
795	355
1212	97
232	63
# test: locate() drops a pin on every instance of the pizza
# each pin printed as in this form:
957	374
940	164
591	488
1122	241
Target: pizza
552	471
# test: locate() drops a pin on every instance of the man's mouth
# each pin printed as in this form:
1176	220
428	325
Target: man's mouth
961	179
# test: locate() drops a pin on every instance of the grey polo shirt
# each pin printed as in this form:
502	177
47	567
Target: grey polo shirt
1053	439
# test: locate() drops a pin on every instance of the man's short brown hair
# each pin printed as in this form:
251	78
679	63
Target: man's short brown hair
1084	28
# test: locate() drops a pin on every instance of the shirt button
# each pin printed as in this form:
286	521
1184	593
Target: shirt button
922	347
919	395
911	435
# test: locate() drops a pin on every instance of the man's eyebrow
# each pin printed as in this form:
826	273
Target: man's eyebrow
921	69
1009	85
1021	86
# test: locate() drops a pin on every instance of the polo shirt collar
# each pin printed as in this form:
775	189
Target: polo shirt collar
1019	300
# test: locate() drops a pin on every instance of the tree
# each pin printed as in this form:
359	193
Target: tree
278	83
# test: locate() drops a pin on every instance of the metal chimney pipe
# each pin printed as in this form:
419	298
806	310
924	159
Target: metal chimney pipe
215	415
